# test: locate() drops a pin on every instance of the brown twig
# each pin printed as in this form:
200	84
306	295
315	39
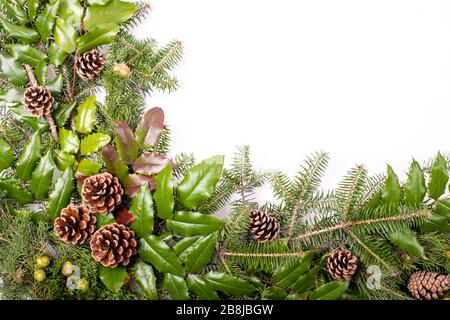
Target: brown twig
31	76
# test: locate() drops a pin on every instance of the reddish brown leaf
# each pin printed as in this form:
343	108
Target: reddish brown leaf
150	163
113	164
149	130
127	147
133	182
124	216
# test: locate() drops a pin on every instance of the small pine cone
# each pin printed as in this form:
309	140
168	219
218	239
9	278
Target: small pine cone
263	227
37	100
90	64
113	244
425	285
75	224
101	193
342	265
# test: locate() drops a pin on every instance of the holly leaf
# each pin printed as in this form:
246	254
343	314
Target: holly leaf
32	6
406	239
60	196
88	167
112	278
442	208
155	251
6	155
13	71
142	209
145	277
150	128
93	143
416	188
65	36
164	193
184	244
286	275
197	256
113	164
124	217
28	54
228	284
69	141
96	37
201	288
62	114
42	177
24	34
435	223
391	194
194	223
200	181
63	160
176	287
70	11
438	177
133	182
150	163
56	55
16	192
115	11
30	155
85	119
126	143
330	291
46	20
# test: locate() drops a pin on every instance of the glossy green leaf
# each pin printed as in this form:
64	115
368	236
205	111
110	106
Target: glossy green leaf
64	160
201	288
69	141
391	194
196	257
103	220
164	193
114	165
65	36
126	143
442	208
438	177
46	20
12	97
30	155
406	239
16	192
28	54
24	34
70	11
184	244
99	2
13	71
41	72
88	167
93	143
435	223
55	85
200	181
42	176
142	209
6	155
59	198
62	114
85	119
330	291
155	251
39	124
115	12
228	284
15	11
176	287
56	55
416	188
285	276
194	223
112	278
99	35
32	6
145	277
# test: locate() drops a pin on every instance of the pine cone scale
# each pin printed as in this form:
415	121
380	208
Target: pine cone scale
342	265
90	64
425	285
263	227
38	100
75	224
101	193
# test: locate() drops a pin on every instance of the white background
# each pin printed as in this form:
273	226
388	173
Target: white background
367	81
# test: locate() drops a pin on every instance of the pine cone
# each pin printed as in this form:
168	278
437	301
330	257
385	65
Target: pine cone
425	285
342	265
90	64
113	244
37	100
75	224
101	193
264	228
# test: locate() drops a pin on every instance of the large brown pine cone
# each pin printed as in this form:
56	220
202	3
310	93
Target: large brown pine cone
90	64
37	100
426	285
113	244
75	224
101	193
263	227
342	265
